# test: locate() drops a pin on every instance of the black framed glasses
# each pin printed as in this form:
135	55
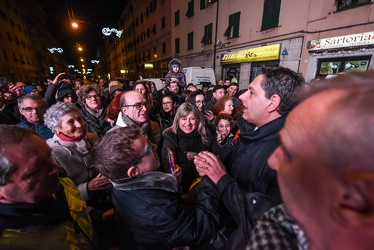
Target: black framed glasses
138	105
166	103
150	147
37	109
90	97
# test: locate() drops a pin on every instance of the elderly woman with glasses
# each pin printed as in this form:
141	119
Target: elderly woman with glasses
71	148
93	110
186	138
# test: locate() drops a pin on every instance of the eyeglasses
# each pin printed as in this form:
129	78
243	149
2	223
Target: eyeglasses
166	103
30	109
89	97
150	147
138	105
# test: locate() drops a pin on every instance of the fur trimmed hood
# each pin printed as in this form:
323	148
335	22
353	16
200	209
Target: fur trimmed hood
148	180
175	60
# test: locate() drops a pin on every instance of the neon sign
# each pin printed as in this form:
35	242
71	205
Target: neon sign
52	50
108	31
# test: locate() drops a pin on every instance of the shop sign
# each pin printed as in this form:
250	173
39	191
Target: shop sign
148	65
258	54
359	39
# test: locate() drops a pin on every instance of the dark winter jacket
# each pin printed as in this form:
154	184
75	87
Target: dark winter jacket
151	215
251	186
180	75
95	124
181	143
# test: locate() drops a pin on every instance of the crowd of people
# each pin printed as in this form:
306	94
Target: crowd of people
284	164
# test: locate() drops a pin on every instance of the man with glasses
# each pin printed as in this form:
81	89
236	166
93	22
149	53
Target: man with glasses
135	111
149	211
32	108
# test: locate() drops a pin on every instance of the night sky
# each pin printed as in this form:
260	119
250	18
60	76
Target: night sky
94	14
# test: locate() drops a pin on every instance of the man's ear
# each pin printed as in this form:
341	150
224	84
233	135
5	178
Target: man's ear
123	109
356	202
133	171
274	103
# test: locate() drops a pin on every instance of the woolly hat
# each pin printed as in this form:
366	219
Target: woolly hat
217	87
28	89
65	90
175	64
115	85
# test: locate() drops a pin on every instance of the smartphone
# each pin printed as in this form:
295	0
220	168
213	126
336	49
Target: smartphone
69	76
171	160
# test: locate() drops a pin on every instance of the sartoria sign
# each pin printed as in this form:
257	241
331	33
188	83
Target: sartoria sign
258	54
342	41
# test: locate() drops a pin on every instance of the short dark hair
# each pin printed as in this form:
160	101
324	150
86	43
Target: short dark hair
282	82
114	152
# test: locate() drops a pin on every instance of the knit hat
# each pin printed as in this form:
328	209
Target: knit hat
173	64
65	90
28	89
217	87
115	85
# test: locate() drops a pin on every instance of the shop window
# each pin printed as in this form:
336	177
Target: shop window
334	66
232	30
176	18
207	38
190	41
270	16
348	4
190	10
177	45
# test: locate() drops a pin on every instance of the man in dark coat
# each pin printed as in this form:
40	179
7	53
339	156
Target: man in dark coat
249	186
147	204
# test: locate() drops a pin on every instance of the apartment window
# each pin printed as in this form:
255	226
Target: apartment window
190	10
270	16
5	55
141	17
202	4
190	41
232	30
152	6
176	18
177	45
163	48
4	16
163	22
207	38
9	37
154	28
348	4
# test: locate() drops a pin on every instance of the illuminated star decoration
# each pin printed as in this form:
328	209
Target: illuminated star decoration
108	31
52	50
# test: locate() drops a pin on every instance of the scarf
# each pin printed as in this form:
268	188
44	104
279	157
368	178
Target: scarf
72	139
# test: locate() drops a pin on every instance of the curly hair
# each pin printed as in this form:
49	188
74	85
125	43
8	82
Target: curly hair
87	88
220	105
52	118
119	145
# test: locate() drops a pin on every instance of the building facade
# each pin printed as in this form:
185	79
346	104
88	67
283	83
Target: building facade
238	37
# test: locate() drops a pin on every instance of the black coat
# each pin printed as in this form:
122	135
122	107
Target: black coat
181	143
251	186
151	215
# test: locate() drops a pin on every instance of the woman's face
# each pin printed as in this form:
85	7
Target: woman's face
153	87
200	102
71	125
167	104
188	123
224	127
140	88
229	107
93	100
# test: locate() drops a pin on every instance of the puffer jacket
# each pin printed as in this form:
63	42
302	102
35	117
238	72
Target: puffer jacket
180	75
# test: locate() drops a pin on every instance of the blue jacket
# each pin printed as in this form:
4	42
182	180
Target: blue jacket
40	128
